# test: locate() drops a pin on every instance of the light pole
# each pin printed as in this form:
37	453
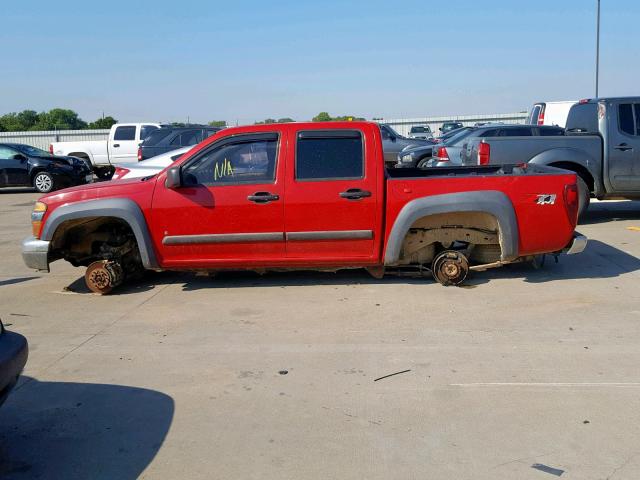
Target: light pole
597	48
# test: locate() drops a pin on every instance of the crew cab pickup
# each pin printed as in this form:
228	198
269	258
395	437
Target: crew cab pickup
305	196
601	144
120	147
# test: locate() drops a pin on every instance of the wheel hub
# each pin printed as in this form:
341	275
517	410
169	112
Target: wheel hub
450	267
102	276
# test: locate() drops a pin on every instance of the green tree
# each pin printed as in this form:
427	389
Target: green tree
285	120
17	122
322	117
218	123
59	119
325	117
102	123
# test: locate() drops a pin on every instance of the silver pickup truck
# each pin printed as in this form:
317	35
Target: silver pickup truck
601	144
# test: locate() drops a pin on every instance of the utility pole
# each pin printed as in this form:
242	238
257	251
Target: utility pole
598	48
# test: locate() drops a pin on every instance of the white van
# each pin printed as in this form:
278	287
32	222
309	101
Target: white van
550	113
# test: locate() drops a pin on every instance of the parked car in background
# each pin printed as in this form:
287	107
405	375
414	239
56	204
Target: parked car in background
550	113
148	167
14	351
421	131
601	144
120	147
393	143
448	126
24	165
221	207
450	152
166	139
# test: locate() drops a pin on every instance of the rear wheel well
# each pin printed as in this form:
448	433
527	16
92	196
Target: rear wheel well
80	155
85	240
579	170
477	234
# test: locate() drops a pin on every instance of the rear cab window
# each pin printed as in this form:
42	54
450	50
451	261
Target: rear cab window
329	155
583	118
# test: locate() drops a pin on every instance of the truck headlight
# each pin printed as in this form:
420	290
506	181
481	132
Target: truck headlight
39	209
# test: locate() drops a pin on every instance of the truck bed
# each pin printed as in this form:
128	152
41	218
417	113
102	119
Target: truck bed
535	192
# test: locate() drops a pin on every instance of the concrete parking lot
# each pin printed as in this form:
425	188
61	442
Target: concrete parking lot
524	373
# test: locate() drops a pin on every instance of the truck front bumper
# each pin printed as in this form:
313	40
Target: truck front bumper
35	253
577	245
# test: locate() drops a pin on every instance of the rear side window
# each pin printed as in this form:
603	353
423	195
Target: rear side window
625	118
155	137
516	132
489	133
333	154
125	133
146	130
551	132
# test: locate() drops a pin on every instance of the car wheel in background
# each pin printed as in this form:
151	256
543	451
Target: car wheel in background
424	163
43	182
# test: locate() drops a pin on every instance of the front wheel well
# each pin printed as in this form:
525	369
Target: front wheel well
80	155
82	241
579	170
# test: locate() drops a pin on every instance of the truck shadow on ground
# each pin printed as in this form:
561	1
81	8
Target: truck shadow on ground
81	430
611	211
599	260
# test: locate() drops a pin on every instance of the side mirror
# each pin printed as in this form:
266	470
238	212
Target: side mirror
174	179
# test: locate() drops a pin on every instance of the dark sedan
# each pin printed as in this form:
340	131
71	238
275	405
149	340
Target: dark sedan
13	357
166	139
24	165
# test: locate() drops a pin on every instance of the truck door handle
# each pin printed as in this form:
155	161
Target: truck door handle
355	194
263	197
116	145
623	147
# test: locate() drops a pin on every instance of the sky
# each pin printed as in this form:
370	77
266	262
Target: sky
247	60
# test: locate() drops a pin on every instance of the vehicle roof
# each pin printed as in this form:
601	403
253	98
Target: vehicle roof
609	99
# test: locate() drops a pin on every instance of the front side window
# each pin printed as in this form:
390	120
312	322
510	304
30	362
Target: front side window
125	133
189	138
335	154
239	162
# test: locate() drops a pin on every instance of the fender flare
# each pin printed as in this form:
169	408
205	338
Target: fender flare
573	156
121	208
493	202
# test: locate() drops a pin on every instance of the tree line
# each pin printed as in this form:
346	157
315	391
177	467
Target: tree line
65	119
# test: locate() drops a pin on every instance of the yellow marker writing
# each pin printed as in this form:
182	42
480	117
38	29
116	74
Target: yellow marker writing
224	170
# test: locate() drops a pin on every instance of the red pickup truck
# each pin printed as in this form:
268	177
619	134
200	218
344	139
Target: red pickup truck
306	196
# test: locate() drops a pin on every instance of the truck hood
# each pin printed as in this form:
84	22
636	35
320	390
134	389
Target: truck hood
91	191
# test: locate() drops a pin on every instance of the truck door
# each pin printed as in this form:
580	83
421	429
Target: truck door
331	203
123	146
229	212
623	148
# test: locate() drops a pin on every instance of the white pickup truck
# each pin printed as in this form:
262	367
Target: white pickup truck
121	147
